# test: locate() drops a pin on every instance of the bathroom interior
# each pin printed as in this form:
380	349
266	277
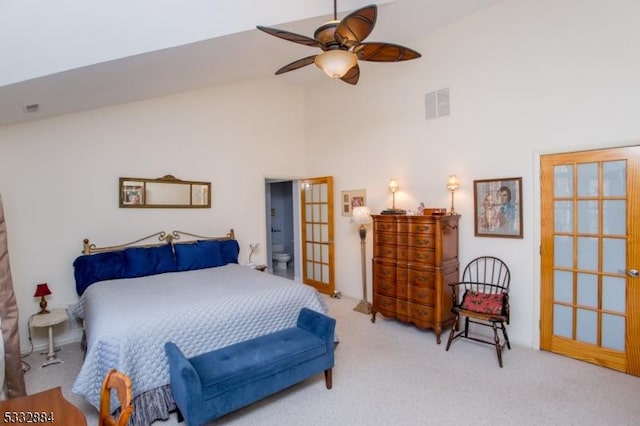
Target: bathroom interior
282	251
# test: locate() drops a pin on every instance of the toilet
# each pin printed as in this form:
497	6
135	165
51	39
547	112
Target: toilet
280	259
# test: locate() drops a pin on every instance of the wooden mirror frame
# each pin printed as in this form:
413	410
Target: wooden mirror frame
165	192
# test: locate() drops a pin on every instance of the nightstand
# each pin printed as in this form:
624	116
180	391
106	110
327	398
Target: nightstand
56	316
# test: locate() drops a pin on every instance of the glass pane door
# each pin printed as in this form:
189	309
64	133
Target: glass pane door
317	233
589	234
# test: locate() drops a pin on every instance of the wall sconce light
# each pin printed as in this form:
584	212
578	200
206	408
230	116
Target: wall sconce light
393	187
361	216
42	290
452	185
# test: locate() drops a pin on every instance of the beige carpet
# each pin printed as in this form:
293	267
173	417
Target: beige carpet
390	373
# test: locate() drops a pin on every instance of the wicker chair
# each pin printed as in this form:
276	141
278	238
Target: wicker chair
485	301
122	385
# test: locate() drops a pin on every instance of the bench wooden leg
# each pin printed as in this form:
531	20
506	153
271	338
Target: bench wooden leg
328	378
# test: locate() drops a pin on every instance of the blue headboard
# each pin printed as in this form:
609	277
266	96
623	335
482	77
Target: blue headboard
131	261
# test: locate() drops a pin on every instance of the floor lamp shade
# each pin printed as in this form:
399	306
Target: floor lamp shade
361	216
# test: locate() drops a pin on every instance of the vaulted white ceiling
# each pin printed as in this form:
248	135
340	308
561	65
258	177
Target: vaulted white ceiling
72	56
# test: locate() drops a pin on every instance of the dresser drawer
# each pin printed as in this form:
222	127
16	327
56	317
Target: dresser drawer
386	251
385	305
422	256
386	224
422	241
422	228
402	310
402	253
384	238
421	278
385	287
422	315
384	271
422	295
402	289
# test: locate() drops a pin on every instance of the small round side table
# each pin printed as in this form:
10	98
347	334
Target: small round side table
54	317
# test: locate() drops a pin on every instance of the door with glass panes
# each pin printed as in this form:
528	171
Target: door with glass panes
317	233
590	289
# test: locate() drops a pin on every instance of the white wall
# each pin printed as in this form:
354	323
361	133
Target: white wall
59	176
525	77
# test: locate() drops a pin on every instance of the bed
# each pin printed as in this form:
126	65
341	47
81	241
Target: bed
135	298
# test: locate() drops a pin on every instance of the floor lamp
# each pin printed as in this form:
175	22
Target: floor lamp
361	216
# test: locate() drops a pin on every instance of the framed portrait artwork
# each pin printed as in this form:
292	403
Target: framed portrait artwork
351	199
498	207
132	194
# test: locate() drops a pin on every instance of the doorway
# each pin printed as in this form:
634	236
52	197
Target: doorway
299	215
590	249
282	228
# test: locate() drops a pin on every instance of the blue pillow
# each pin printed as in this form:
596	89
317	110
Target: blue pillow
198	255
91	268
143	261
229	250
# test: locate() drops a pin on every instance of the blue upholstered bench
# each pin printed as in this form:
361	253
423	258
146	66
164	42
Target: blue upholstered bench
215	383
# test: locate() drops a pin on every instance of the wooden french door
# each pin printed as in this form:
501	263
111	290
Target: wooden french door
590	289
316	199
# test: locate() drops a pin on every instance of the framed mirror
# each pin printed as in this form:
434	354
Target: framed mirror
165	192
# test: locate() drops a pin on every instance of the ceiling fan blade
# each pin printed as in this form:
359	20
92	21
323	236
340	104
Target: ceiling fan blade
289	36
297	64
356	26
385	52
352	75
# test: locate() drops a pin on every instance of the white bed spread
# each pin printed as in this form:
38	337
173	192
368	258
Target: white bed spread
128	321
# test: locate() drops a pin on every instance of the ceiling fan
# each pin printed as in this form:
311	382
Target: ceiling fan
342	45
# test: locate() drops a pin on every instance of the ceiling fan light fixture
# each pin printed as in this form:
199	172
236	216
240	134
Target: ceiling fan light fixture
336	63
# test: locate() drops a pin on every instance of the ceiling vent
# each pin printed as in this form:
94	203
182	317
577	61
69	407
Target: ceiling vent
28	109
436	104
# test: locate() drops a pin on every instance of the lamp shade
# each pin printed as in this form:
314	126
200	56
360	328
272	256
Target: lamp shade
336	63
42	290
452	183
393	185
361	215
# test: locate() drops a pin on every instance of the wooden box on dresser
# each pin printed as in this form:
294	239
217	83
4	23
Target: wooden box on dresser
414	260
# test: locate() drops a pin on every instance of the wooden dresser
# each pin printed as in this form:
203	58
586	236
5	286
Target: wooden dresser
414	260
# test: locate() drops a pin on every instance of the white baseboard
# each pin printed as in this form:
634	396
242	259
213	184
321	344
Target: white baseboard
70	336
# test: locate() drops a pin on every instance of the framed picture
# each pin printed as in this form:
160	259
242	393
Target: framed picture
498	207
351	199
132	194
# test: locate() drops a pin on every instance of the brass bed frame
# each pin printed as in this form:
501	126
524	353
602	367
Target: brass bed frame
162	236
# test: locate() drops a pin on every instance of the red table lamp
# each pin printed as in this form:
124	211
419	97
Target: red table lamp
42	290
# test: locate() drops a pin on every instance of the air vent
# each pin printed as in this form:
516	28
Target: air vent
28	109
437	104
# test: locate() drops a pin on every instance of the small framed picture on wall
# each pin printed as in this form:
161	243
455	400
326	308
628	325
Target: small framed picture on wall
498	207
351	199
132	195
